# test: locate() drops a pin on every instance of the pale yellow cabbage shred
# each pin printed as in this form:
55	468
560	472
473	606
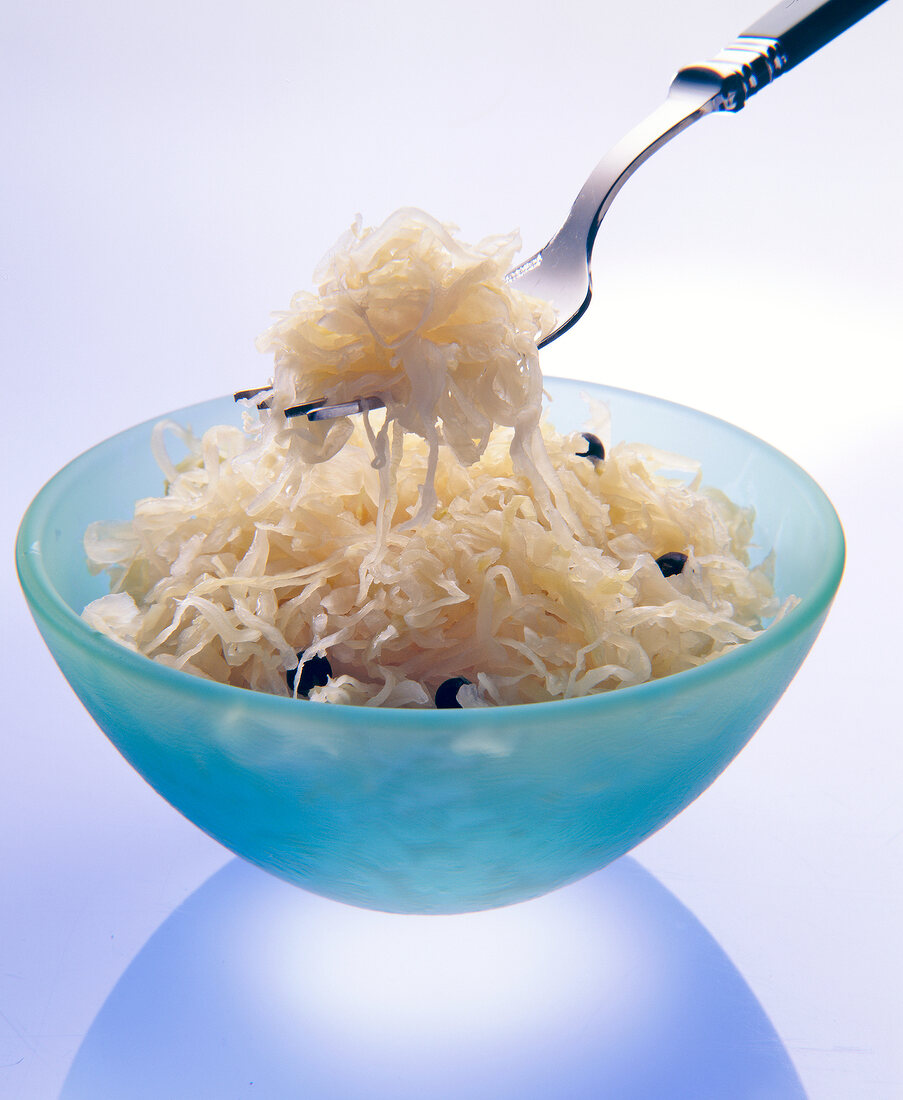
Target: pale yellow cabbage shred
454	535
409	314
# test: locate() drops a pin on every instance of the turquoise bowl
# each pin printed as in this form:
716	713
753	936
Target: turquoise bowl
434	811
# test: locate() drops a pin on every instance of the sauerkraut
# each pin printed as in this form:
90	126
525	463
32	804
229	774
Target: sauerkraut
454	534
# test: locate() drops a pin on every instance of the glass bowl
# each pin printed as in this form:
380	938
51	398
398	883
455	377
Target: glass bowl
434	811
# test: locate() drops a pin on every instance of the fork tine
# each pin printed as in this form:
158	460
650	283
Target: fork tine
303	410
345	408
244	395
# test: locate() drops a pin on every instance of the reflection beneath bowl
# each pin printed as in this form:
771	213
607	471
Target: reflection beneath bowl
609	988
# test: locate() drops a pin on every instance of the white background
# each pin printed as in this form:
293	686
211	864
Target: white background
172	174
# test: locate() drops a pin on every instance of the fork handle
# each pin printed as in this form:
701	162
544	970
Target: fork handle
800	27
782	38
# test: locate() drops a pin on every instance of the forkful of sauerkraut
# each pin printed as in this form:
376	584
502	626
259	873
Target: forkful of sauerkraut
428	329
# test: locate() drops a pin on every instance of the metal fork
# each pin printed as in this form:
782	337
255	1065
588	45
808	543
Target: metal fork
560	272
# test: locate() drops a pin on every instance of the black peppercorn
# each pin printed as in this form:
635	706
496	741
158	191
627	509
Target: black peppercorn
447	693
315	672
671	563
595	452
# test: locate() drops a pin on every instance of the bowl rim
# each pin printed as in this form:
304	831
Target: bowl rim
45	600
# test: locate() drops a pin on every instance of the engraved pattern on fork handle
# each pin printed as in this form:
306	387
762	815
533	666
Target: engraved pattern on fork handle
743	68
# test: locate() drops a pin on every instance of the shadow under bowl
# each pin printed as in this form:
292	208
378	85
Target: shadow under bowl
434	811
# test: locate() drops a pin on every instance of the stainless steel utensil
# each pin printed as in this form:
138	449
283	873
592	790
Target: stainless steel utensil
783	37
560	272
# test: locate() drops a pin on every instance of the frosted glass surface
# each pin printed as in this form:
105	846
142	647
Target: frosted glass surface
435	811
